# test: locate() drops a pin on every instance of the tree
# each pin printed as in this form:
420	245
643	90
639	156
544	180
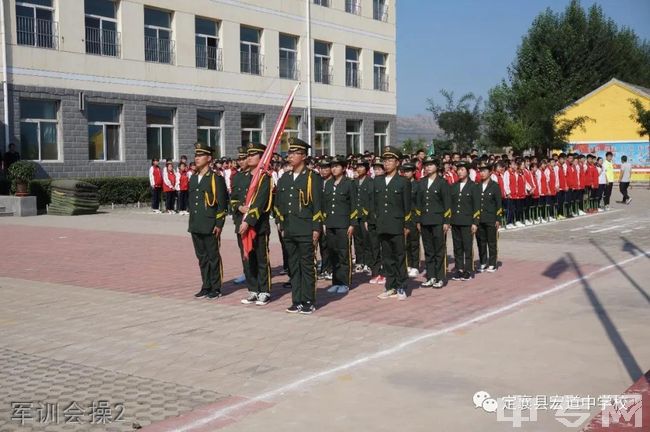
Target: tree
460	120
410	146
562	57
641	116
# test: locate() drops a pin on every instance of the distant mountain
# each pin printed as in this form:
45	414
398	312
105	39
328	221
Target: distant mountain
419	126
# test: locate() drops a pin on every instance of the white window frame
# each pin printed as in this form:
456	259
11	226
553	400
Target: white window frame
290	133
322	134
324	3
378	15
55	32
358	135
219	63
119	136
101	32
38	121
380	70
290	52
383	136
166	126
171	38
250	131
355	65
250	53
321	58
217	128
353	7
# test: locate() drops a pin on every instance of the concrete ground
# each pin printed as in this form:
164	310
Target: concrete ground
98	325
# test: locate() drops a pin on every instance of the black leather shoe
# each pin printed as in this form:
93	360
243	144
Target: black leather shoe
213	295
202	293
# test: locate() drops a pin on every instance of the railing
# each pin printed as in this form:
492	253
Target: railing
289	69
380	12
208	57
158	50
37	32
251	63
353	6
323	74
353	78
102	42
381	81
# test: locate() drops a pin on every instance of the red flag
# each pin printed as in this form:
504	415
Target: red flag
249	235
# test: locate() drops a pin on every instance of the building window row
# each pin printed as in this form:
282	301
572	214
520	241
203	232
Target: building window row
40	132
379	8
36	27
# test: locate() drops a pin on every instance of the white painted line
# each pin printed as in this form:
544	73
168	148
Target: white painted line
625	231
584	227
638	228
608	228
395	349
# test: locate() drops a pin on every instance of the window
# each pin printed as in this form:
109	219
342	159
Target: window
160	133
158	43
325	3
251	128
208	53
381	137
103	132
381	78
288	56
379	10
209	129
251	59
291	130
102	36
322	69
323	138
39	130
353	136
353	6
352	73
35	23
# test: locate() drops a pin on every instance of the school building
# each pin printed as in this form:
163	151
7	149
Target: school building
99	87
611	127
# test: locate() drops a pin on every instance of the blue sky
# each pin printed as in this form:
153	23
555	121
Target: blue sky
467	45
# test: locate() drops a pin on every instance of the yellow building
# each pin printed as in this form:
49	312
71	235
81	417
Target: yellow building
610	127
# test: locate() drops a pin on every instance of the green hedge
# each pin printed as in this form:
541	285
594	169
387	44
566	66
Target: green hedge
112	190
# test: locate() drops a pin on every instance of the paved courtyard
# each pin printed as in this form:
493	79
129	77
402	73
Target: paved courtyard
99	331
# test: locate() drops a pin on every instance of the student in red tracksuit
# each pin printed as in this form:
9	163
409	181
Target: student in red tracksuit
169	187
183	186
563	187
530	186
578	163
497	176
510	188
156	183
553	185
592	181
521	194
542	190
450	175
572	184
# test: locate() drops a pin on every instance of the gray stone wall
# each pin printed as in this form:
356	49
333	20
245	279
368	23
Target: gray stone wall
73	128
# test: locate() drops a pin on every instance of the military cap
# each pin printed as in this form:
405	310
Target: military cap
408	166
462	165
339	160
255	148
203	149
486	167
364	163
430	160
296	144
241	152
324	163
391	152
377	162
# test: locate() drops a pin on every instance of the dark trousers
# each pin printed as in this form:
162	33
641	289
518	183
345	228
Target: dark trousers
561	196
362	245
608	193
182	200
206	248
155	198
170	200
487	243
302	269
375	250
325	260
413	248
435	251
285	256
463	253
510	211
519	210
393	259
598	194
623	188
578	196
339	247
245	264
258	278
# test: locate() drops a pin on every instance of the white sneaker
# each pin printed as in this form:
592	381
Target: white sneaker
510	226
528	222
551	219
263	299
481	268
413	272
606	208
431	282
491	269
581	213
252	298
156	211
519	224
401	294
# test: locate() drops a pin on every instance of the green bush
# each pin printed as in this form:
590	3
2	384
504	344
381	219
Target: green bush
111	190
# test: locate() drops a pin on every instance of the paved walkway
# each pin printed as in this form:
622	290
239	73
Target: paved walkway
100	309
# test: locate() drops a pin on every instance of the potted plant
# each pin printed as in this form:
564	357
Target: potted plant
22	172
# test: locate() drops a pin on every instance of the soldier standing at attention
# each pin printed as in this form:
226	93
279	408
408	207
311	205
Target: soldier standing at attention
325	171
239	184
362	248
375	247
341	213
433	213
298	208
208	207
256	216
392	206
413	239
491	211
465	213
